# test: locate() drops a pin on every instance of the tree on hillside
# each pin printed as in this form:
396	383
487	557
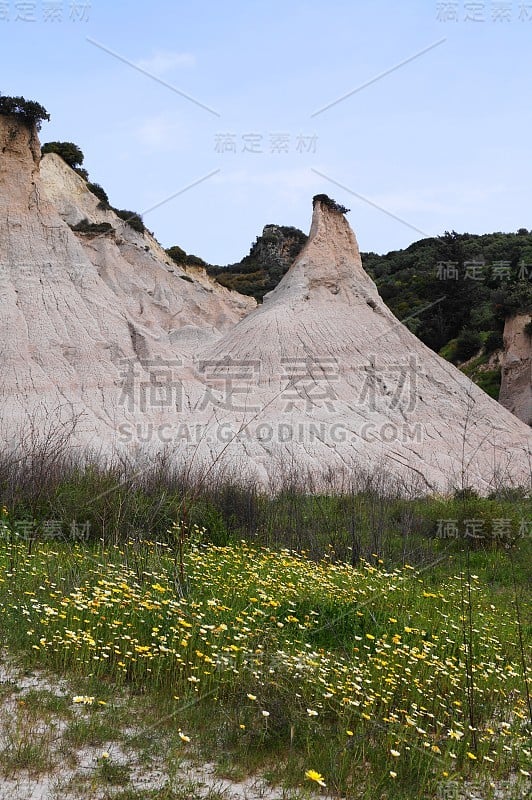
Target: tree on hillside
69	152
29	111
195	261
468	344
177	254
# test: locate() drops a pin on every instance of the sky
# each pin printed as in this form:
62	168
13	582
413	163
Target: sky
214	119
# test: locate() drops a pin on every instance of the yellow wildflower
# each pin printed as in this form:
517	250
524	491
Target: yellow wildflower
312	775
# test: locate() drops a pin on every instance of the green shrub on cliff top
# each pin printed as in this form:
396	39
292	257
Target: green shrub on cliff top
28	110
69	152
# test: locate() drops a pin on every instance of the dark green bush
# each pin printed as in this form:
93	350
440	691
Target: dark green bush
29	111
494	341
177	254
100	193
133	219
207	517
195	261
330	203
468	344
516	299
69	152
93	228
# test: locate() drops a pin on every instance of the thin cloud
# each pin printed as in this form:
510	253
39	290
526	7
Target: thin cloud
163	61
297	177
439	200
159	132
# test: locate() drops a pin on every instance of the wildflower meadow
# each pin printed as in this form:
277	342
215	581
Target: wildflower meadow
360	681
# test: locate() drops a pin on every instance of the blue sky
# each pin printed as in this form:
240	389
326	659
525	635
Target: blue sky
440	142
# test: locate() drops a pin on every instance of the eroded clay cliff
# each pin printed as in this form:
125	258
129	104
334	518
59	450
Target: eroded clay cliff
516	383
81	311
321	378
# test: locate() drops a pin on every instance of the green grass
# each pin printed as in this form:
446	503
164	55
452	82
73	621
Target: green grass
118	507
91	731
275	663
448	351
112	774
488	379
166	793
25	754
45	703
24	745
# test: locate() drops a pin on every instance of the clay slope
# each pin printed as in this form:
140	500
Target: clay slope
137	268
87	321
331	353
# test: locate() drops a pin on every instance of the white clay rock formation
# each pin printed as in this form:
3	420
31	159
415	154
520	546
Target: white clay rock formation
321	378
79	311
373	385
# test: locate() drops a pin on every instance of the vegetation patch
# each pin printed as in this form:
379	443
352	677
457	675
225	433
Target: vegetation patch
69	152
30	112
330	203
373	680
101	194
92	228
133	219
178	255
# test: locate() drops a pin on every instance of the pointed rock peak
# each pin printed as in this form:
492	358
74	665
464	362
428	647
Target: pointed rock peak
330	233
329	266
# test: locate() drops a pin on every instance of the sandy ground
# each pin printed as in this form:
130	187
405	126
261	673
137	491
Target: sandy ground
73	773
